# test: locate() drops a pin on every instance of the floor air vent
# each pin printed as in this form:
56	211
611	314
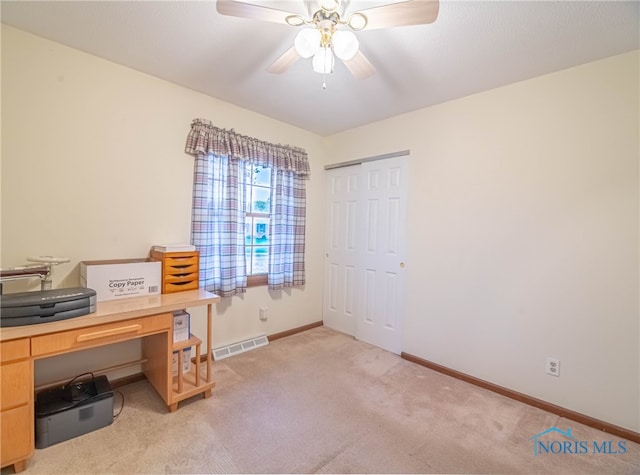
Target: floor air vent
241	347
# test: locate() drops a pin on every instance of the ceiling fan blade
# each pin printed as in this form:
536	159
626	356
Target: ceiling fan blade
405	13
248	10
284	62
360	66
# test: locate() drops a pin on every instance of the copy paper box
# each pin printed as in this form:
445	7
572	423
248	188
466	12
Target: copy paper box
121	278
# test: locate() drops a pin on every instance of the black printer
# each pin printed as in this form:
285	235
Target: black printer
72	409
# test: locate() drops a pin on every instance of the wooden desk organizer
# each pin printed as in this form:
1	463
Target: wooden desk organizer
180	270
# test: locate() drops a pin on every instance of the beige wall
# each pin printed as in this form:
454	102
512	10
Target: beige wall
523	234
93	167
523	238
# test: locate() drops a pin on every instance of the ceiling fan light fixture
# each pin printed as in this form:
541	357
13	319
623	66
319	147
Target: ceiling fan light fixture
357	21
307	42
327	18
345	44
323	61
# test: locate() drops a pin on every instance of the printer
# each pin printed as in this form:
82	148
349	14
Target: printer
28	308
73	409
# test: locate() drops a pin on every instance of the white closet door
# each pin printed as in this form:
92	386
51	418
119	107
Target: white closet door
341	249
381	254
364	292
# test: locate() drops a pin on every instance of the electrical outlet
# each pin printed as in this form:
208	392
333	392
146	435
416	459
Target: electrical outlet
553	366
264	313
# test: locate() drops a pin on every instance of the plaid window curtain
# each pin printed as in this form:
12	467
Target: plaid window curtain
286	257
217	226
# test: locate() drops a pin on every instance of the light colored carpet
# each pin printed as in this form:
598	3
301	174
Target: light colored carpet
321	402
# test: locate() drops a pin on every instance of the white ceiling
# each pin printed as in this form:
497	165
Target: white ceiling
473	46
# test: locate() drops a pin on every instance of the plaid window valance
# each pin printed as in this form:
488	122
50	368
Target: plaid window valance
205	139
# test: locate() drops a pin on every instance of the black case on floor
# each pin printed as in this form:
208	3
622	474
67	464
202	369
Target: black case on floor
73	409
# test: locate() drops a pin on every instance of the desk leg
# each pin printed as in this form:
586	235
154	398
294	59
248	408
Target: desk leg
180	375
209	336
20	466
197	365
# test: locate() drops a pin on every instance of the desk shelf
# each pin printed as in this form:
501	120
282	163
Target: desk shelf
192	341
186	385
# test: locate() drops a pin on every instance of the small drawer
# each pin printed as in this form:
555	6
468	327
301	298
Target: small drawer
100	335
180	286
16	384
14	350
180	278
186	269
180	261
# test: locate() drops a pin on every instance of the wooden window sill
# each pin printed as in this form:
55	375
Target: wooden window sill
257	280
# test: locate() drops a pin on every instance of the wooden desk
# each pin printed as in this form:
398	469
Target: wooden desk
149	318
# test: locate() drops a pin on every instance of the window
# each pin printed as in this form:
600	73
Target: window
257	190
249	210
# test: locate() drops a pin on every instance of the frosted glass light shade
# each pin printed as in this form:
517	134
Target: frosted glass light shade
329	5
323	61
357	21
307	42
345	44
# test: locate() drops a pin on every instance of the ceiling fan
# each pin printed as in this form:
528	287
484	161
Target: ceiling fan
328	32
